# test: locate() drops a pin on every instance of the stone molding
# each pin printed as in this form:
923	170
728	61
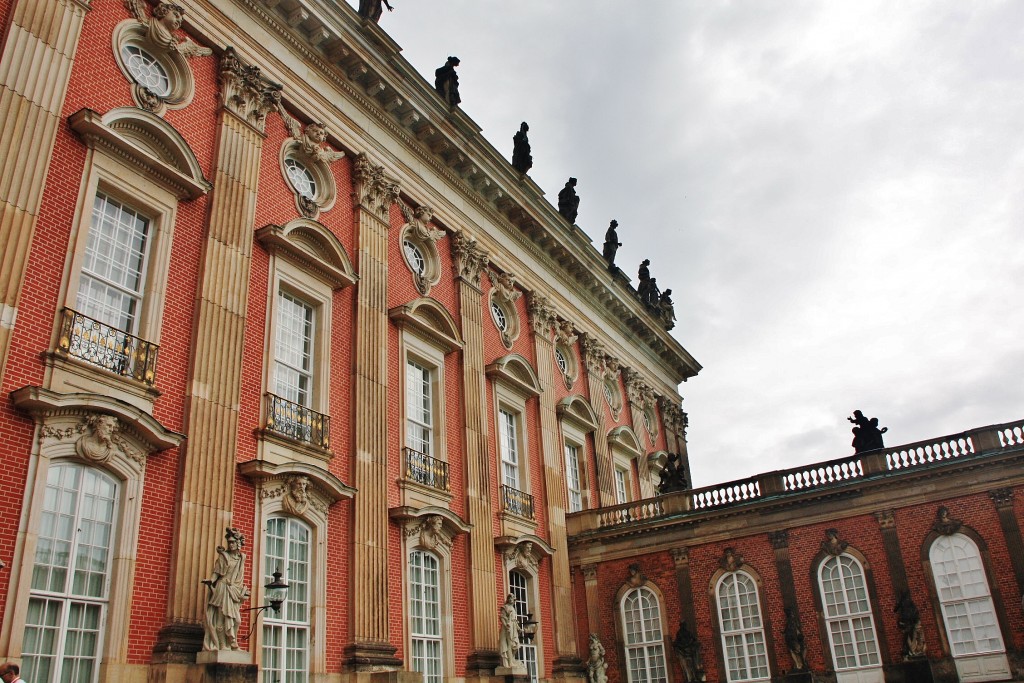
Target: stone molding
418	232
432	320
313	248
779	539
680	556
589	573
886	519
542	315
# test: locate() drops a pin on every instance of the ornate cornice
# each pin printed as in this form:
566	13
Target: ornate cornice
374	190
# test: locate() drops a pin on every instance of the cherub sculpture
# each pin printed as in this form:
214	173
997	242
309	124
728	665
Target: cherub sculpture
163	24
311	141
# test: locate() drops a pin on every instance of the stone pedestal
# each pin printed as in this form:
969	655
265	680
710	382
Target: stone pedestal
227	666
512	674
799	676
910	671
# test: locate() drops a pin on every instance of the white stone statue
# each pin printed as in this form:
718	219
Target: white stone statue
508	637
596	666
227	592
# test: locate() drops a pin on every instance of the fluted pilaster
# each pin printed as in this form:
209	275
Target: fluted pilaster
35	67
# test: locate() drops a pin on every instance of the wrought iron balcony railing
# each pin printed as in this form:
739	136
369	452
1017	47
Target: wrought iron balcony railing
423	469
298	422
517	502
106	347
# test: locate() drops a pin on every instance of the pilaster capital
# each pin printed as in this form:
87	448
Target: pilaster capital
1002	497
589	573
886	519
673	416
542	315
637	389
470	259
779	539
374	190
245	92
680	556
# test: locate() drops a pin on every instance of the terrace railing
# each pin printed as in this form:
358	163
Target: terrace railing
298	422
517	502
423	469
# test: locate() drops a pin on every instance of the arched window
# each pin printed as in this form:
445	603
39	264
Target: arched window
645	644
71	576
286	634
425	615
739	612
851	628
519	586
967	608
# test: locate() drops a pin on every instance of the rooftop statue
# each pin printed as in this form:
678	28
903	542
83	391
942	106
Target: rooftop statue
522	161
666	310
372	9
643	275
446	82
673	476
866	435
568	202
611	244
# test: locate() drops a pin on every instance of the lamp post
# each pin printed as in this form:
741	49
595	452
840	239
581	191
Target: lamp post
276	592
528	627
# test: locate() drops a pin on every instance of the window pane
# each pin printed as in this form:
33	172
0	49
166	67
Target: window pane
967	607
293	351
572	478
850	625
286	634
509	446
425	615
645	654
419	408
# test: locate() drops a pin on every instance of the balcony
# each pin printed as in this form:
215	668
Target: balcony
425	470
106	347
517	502
297	422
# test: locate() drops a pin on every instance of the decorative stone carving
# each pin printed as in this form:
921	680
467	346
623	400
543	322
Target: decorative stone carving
611	244
565	333
1001	497
504	286
295	500
636	577
597	668
886	519
640	394
832	545
431	533
673	416
730	560
98	439
226	593
666	309
542	315
245	92
418	220
522	556
944	524
418	232
374	189
508	636
470	259
793	635
166	20
779	539
522	161
687	649
672	477
589	572
909	622
680	556
446	82
311	140
296	497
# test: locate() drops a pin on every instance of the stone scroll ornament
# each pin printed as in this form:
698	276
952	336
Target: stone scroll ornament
245	92
226	591
161	28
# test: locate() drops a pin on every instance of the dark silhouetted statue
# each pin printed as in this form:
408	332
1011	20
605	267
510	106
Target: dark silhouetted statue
666	310
673	476
866	435
568	202
522	161
794	637
643	275
373	9
611	244
446	82
687	649
909	620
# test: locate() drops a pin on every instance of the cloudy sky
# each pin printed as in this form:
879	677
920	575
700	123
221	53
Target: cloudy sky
834	191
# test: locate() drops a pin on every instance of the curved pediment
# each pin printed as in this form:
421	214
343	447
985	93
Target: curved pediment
323	481
656	462
428	317
624	438
517	372
146	141
578	411
313	247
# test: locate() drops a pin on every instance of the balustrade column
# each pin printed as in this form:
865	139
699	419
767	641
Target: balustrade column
371	649
208	474
35	67
470	262
567	662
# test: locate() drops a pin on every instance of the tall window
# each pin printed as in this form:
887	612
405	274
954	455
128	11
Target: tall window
418	408
71	576
964	594
572	477
645	644
286	640
851	629
509	445
293	351
111	283
739	612
621	485
425	615
519	587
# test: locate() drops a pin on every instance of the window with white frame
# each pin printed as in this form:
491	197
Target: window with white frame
508	444
286	634
851	628
645	644
739	612
110	287
425	615
69	596
621	485
967	608
419	407
519	587
293	349
572	477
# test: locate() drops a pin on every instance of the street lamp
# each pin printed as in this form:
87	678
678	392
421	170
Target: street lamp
276	592
528	627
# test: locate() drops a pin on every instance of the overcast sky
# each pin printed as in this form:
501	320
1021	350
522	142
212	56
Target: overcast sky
833	191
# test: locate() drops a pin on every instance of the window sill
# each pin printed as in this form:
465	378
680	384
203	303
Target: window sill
417	495
279	449
67	374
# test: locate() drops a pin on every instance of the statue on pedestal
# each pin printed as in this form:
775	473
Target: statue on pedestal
446	82
866	435
372	9
508	636
643	274
666	310
226	594
909	622
522	161
611	244
794	636
568	202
